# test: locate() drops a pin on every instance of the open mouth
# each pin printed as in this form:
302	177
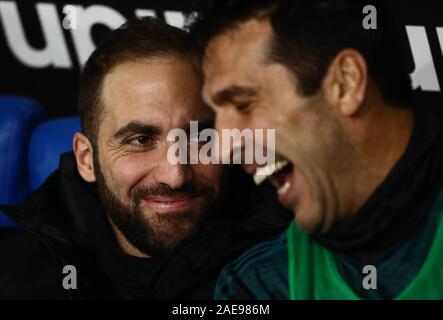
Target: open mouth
279	174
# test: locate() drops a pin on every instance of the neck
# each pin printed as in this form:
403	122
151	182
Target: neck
124	244
384	134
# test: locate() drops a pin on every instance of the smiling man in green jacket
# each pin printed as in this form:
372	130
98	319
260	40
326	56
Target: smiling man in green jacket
358	163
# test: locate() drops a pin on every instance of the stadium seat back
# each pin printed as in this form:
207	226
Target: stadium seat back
49	140
18	118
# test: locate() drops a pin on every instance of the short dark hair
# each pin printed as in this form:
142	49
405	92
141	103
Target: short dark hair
137	38
308	34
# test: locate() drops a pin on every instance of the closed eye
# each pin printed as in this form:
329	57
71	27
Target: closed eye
242	107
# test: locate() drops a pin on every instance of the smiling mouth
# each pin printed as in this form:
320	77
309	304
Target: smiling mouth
170	204
280	175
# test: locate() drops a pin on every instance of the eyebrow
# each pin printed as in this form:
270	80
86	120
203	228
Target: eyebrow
138	127
229	93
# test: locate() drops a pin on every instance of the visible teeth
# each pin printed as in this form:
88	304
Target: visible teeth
259	179
284	188
262	173
267	170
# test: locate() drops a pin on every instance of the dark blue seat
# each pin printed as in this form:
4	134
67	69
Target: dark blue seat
49	140
18	118
5	222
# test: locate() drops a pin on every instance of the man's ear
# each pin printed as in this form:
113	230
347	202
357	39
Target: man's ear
84	156
345	81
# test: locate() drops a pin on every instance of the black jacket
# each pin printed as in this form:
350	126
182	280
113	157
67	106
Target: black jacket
58	227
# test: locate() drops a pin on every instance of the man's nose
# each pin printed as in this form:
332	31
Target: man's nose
173	175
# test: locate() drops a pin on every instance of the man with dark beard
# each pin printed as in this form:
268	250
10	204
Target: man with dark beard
117	219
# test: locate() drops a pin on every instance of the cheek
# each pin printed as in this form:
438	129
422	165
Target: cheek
300	132
126	173
272	113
